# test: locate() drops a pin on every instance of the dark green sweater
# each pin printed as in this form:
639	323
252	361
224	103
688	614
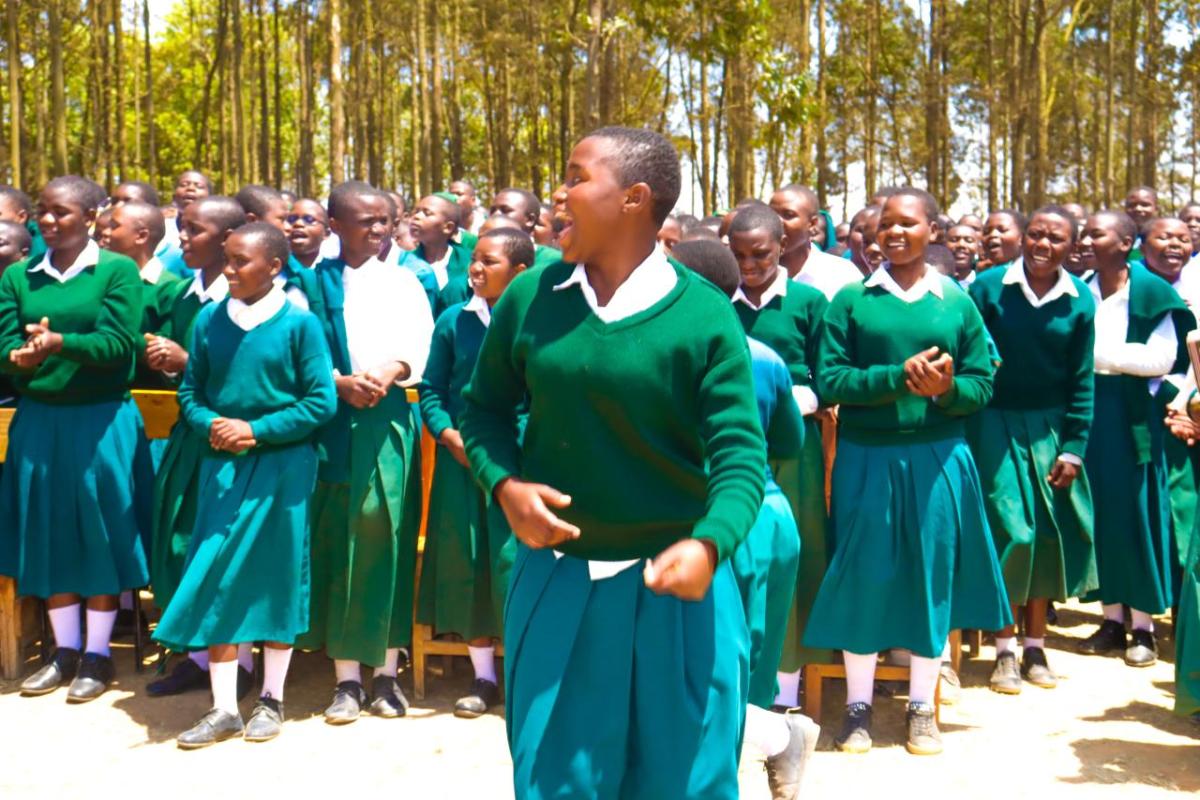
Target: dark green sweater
457	337
624	416
869	334
791	326
1046	353
98	312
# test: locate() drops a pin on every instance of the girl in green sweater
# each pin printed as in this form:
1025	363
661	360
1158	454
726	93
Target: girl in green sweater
905	355
1002	237
72	501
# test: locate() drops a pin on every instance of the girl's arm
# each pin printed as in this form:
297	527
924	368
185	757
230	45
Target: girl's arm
1080	397
12	333
1153	359
118	322
317	402
435	388
839	379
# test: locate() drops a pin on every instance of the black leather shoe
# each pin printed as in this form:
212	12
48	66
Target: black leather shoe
95	674
245	682
1006	676
1142	650
348	699
785	769
924	738
1035	668
1108	637
61	668
483	695
185	677
387	700
856	729
215	726
266	720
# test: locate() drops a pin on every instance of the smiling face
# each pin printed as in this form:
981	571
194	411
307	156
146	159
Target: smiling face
963	242
592	202
307	226
1047	242
1100	246
799	215
904	229
757	253
1001	238
363	222
13	245
64	223
201	239
248	268
863	241
1191	217
491	271
1142	205
1167	248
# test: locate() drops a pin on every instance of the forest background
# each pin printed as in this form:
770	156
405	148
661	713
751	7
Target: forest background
989	103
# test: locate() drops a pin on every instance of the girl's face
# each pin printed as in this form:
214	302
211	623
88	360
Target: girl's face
248	269
491	271
963	243
1167	248
1001	238
800	217
63	220
904	230
1191	217
1047	243
591	200
200	239
363	224
12	211
306	227
757	254
432	220
190	187
1100	245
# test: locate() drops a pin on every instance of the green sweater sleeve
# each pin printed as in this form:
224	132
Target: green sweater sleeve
11	334
1077	422
318	401
118	321
839	379
972	387
435	383
193	399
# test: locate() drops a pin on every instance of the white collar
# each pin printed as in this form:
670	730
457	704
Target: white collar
1120	294
650	282
778	288
1015	274
930	281
215	292
88	257
249	317
481	309
967	281
152	270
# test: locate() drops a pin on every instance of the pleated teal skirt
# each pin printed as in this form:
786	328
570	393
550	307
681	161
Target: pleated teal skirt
75	499
176	486
765	566
913	557
246	576
1187	635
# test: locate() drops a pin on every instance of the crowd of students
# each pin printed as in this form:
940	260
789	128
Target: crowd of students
633	412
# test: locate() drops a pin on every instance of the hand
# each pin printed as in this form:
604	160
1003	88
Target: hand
231	435
685	569
385	376
1063	474
165	355
358	390
829	413
41	344
527	507
452	441
1182	427
928	375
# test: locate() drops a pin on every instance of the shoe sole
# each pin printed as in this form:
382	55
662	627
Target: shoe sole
39	692
339	721
202	745
922	751
854	750
1009	690
76	700
1141	665
1042	685
464	714
261	738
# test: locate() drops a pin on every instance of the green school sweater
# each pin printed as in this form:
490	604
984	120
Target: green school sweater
624	416
791	326
1046	353
278	376
98	312
457	338
869	334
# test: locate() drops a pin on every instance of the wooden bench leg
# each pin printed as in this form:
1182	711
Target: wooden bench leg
10	630
956	649
812	692
421	634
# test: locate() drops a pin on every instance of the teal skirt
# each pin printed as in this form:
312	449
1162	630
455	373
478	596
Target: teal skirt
614	691
913	557
364	539
246	576
1181	493
175	490
75	499
764	566
1043	535
1133	515
1187	635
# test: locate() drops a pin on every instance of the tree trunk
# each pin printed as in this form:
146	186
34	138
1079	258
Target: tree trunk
337	97
151	138
435	116
119	83
14	92
264	110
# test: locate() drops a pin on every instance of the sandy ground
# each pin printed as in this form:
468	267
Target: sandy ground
1106	732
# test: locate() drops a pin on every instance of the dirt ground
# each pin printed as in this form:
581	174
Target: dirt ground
1106	732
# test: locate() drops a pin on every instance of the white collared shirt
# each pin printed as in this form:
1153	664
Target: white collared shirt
88	257
650	282
215	292
481	309
1015	274
441	268
387	318
151	271
1114	355
929	283
827	273
250	316
777	288
298	298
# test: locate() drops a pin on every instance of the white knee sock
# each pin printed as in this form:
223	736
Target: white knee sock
223	676
1030	642
1142	621
766	730
200	657
923	678
275	667
246	656
1115	612
65	624
391	663
345	670
99	631
1005	644
483	660
789	689
860	677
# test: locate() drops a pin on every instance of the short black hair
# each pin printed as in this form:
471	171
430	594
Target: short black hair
18	197
272	239
1013	214
928	203
863	212
256	199
712	222
686	221
87	194
757	216
1187	205
805	192
940	258
208	184
18	232
225	211
150	216
148	193
710	260
1123	224
886	191
516	243
640	155
533	204
1053	209
346	191
1137	189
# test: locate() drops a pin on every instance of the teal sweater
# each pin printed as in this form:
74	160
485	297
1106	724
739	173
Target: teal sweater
791	326
869	334
278	376
98	312
624	417
457	338
1046	353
